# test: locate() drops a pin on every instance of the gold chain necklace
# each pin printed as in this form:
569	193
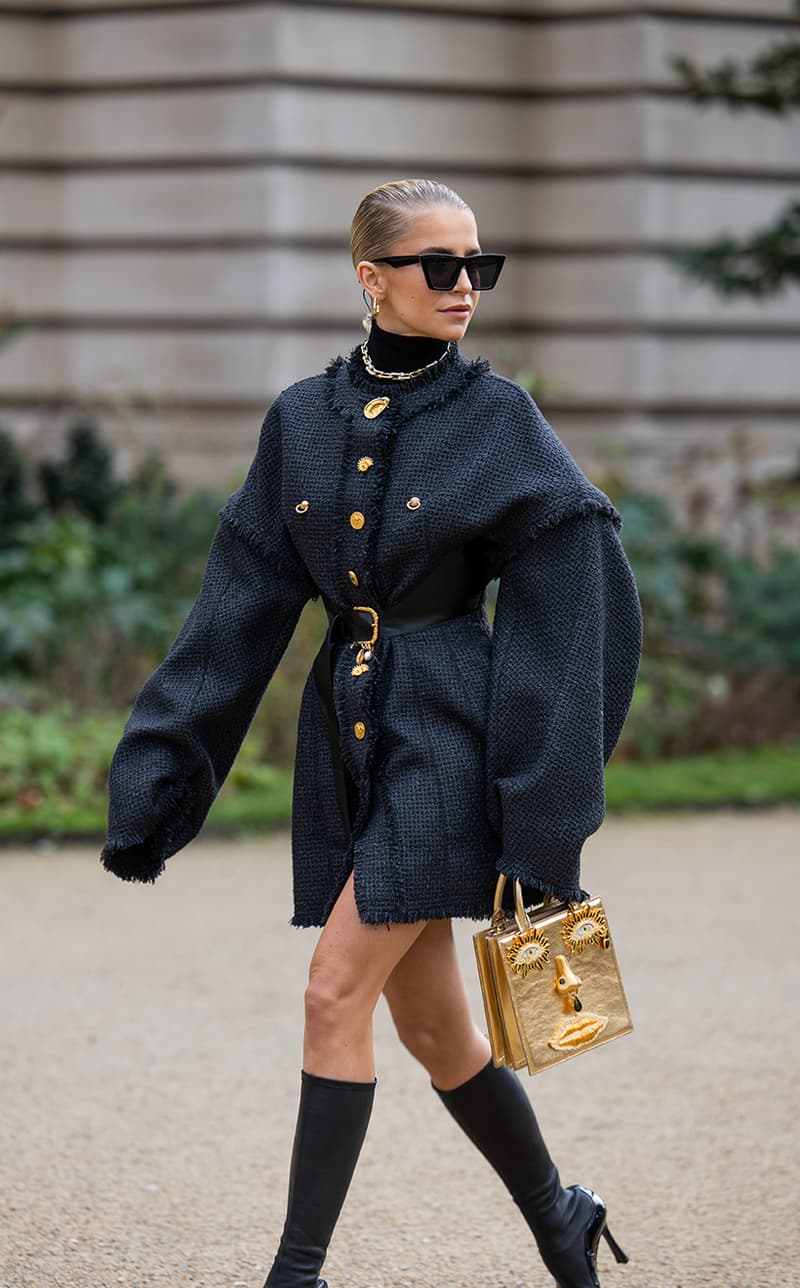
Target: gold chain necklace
400	375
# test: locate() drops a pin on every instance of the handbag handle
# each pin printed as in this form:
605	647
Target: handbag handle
523	920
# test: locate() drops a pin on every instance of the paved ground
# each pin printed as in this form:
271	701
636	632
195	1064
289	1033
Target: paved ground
149	1071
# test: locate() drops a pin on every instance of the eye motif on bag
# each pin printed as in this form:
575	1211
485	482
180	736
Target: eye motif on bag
582	928
530	950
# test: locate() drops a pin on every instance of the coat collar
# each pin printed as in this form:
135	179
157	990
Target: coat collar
351	386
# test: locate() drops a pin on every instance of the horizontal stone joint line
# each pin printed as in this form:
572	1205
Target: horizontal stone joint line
491	14
704	169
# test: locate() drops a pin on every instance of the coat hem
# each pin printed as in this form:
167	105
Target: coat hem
480	911
558	890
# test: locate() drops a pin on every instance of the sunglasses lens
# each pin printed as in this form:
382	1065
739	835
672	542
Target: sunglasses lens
442	274
485	271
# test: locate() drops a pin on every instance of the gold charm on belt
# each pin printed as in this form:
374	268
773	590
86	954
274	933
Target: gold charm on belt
365	647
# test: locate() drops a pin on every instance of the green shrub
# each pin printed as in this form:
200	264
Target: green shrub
721	663
15	508
97	575
54	758
84	480
54	769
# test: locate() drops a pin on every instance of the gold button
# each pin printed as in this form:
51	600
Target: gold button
356	519
413	503
352	577
301	507
359	729
375	406
364	464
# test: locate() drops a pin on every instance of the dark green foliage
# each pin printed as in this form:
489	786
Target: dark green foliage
84	480
56	758
10	326
757	625
770	82
96	578
759	265
89	607
14	506
721	663
83	611
96	574
767	260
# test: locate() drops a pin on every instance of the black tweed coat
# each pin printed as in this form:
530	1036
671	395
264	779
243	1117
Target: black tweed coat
482	749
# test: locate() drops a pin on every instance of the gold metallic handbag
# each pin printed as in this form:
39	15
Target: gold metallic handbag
550	980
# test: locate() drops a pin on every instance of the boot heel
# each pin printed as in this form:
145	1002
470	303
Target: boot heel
614	1246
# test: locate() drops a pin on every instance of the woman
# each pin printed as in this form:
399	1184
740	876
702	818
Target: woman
433	752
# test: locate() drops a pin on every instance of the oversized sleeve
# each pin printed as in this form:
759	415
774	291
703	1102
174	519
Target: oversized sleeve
565	656
191	715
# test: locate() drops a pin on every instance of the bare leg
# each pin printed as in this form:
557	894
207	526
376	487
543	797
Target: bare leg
347	972
430	1007
431	1010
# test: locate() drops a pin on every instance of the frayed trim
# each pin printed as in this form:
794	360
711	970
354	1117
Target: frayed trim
267	554
119	855
469	373
557	889
120	861
380	471
249	538
569	508
478	911
458	369
142	856
331	372
334	365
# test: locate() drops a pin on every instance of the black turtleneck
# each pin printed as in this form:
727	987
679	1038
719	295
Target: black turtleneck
393	352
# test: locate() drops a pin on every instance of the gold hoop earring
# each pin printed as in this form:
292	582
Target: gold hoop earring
374	306
366	320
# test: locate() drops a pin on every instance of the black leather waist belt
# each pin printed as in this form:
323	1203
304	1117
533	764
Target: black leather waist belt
448	591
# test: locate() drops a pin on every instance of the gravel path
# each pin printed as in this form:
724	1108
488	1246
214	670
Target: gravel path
151	1047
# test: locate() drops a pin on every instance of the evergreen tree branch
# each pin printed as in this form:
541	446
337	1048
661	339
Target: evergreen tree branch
760	265
770	82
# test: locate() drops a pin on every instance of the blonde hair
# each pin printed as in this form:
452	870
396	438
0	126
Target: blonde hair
384	215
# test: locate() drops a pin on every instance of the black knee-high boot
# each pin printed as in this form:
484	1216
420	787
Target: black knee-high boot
332	1121
497	1116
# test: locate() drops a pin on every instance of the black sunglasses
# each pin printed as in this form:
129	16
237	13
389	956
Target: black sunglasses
442	271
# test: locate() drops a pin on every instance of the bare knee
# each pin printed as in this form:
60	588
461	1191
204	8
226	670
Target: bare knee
426	1036
334	1005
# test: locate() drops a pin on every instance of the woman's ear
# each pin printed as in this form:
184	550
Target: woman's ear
369	277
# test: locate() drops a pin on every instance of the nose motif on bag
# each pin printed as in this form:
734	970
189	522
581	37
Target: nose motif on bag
567	984
573	1030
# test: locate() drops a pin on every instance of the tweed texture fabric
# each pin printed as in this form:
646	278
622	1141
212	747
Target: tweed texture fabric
483	748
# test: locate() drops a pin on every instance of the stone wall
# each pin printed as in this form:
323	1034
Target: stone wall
177	182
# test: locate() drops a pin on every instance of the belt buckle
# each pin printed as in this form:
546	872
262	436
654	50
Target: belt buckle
365	646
